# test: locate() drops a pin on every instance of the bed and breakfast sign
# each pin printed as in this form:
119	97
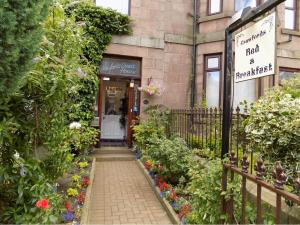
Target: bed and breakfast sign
255	50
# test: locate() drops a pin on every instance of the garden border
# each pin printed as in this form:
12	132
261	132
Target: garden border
86	206
166	205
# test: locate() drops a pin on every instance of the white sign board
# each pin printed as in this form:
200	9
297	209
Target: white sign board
255	50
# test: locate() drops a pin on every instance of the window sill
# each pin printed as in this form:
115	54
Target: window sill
290	32
205	18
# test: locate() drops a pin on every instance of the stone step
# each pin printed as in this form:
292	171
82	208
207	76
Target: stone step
113	148
114	157
113	151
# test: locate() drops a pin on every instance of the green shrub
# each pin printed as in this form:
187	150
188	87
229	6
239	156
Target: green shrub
206	192
21	33
273	126
172	153
152	127
27	184
60	88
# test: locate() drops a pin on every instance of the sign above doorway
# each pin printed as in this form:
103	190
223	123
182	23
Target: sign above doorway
120	67
255	50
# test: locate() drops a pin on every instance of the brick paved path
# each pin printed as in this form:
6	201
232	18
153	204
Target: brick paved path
122	195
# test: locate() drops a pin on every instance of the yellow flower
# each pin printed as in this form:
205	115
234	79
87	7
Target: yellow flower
72	192
78	185
75	178
83	164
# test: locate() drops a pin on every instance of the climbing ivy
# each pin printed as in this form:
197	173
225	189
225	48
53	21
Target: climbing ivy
99	26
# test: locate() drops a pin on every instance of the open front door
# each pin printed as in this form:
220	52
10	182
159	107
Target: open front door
133	108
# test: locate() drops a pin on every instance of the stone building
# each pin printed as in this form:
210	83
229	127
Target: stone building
169	51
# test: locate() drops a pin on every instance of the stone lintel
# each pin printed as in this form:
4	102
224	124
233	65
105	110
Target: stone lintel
139	41
284	53
178	39
210	37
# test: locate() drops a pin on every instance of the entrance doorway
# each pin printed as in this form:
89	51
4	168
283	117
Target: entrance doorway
118	99
114	111
119	107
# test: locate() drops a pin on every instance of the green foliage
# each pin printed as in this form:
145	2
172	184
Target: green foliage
81	139
21	33
26	190
273	126
151	128
205	188
172	153
59	89
206	192
99	26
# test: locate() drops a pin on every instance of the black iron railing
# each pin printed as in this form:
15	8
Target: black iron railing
202	129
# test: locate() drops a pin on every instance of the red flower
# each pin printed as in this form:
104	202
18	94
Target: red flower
185	209
158	181
42	204
173	195
164	186
148	164
68	206
81	197
85	182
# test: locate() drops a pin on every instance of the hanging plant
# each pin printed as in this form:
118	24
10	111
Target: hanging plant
151	89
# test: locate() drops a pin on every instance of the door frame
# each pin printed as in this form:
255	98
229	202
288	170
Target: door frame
101	92
130	115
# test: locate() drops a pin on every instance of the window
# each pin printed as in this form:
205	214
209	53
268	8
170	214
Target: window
287	73
241	4
212	80
290	14
214	6
122	6
245	90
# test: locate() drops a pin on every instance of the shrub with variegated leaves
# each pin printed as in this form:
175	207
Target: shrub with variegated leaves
273	125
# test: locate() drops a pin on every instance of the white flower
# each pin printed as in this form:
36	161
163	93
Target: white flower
16	156
75	125
81	73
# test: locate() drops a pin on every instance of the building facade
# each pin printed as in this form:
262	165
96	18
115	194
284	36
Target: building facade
164	52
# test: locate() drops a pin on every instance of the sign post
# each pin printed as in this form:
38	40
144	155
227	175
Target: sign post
247	49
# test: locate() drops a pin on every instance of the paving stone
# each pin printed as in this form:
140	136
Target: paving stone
122	195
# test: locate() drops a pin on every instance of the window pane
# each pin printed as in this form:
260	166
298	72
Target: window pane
212	88
289	22
119	5
290	3
284	75
244	91
241	4
213	63
215	6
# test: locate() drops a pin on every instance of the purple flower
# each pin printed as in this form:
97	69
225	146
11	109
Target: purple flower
174	205
68	216
22	170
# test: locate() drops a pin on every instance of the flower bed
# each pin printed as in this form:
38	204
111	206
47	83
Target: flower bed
73	187
178	202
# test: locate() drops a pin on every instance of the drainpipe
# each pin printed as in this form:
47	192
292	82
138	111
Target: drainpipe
194	55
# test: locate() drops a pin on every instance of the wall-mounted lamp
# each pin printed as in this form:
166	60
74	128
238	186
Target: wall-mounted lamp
106	78
131	84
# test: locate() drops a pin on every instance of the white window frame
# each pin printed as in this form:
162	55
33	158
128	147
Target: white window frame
209	7
295	10
127	12
207	70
